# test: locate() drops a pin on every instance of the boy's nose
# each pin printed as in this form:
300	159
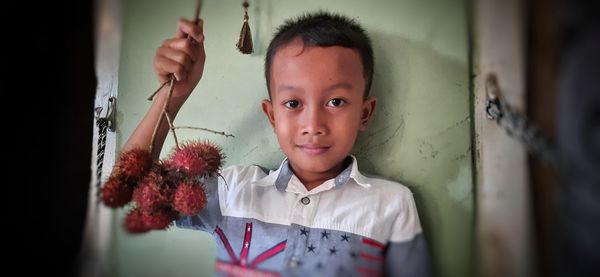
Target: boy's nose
313	123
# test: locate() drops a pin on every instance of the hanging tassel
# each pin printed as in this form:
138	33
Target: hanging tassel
245	42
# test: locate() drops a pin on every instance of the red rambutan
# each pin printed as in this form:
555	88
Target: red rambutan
134	222
151	193
115	192
189	198
134	163
166	164
158	220
186	159
211	154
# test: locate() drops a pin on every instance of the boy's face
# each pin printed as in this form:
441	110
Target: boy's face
317	105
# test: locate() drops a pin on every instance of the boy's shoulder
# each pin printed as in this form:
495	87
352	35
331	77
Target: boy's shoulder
386	186
244	172
245	168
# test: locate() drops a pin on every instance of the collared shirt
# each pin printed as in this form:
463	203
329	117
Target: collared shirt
266	223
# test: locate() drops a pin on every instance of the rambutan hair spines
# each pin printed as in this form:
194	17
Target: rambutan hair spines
197	158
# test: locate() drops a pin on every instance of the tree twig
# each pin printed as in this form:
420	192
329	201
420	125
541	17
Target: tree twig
166	113
159	121
204	129
151	97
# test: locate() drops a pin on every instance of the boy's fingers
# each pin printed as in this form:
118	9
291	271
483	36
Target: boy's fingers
184	45
179	57
201	25
165	66
187	27
180	30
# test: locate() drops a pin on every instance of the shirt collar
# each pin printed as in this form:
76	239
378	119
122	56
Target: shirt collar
281	177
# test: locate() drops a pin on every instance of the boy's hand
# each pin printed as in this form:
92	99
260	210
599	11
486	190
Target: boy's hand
183	57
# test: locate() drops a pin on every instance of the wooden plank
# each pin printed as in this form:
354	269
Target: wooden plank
504	220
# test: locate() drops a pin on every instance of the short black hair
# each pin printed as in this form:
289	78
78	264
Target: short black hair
324	29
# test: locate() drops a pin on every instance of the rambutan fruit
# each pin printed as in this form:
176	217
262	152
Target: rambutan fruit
134	222
140	221
211	154
115	192
187	160
166	164
134	163
189	198
151	193
158	220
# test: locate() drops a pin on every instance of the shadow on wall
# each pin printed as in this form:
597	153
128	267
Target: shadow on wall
390	86
420	136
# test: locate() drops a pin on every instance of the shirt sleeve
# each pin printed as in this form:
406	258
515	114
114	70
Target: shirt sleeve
407	253
408	258
207	219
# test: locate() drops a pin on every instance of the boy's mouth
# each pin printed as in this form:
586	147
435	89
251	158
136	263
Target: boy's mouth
313	149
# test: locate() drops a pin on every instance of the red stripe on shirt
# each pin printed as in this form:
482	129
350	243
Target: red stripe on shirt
373	243
370	257
269	253
368	271
226	244
246	245
233	270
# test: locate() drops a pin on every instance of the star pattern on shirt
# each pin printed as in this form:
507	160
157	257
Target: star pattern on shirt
332	251
345	237
353	255
325	234
304	232
311	248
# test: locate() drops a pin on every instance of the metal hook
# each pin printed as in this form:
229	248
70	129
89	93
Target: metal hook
493	97
491	88
110	116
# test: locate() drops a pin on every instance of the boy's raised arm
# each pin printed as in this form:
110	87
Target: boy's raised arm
184	58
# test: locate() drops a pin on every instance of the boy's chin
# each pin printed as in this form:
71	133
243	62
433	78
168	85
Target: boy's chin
316	164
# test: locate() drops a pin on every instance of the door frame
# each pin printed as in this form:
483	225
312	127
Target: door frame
504	221
96	245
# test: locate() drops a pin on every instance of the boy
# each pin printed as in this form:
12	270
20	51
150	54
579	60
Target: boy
316	214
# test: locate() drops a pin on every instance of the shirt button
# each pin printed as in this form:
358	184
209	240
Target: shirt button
294	262
305	200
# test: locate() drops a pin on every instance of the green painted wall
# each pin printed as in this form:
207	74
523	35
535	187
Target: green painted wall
420	136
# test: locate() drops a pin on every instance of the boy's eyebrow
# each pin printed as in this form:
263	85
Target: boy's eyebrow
287	87
343	85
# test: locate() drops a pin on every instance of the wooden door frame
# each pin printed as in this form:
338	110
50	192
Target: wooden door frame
504	214
96	245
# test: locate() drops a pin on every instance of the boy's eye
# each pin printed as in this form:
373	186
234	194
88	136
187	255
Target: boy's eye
292	104
336	102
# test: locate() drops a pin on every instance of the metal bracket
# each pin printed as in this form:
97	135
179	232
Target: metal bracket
493	97
111	113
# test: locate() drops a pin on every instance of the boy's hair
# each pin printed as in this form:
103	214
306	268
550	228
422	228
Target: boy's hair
324	29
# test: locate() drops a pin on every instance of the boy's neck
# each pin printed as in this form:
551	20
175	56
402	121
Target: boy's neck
311	180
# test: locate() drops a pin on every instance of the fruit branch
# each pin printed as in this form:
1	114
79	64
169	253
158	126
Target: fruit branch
204	129
166	110
165	113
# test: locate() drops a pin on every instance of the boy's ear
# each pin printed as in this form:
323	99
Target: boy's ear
267	107
368	108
